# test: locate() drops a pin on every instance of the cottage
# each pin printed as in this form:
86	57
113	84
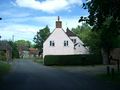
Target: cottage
63	43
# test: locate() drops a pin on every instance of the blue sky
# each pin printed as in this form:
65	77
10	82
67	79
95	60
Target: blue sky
23	18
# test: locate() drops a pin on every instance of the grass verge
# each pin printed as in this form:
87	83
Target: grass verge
38	60
115	78
4	69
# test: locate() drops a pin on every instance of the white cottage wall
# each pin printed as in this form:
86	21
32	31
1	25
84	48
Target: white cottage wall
79	48
58	36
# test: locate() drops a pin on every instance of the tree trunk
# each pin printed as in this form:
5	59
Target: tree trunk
105	56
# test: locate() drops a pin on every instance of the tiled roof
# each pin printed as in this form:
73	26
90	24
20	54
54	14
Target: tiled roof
70	33
33	49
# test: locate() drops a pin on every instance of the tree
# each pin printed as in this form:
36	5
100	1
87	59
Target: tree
82	31
104	17
88	37
41	36
15	52
22	44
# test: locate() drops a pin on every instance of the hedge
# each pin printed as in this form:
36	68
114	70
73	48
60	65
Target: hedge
88	59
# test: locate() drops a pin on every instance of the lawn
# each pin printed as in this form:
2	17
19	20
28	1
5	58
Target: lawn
4	69
38	60
115	78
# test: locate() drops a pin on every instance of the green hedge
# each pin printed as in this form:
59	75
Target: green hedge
72	59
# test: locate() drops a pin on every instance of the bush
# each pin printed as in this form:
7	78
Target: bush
3	56
72	59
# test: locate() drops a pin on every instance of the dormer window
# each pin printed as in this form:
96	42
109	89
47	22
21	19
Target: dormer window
65	43
52	43
73	40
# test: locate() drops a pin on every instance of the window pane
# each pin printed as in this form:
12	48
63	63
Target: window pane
65	43
74	40
50	43
53	44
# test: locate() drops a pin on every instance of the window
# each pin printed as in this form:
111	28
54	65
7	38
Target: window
52	43
74	40
65	43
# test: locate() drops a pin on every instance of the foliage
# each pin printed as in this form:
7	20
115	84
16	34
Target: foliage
72	59
104	17
82	31
3	56
88	37
15	52
41	36
23	43
116	42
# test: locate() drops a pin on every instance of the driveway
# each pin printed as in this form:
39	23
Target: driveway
27	75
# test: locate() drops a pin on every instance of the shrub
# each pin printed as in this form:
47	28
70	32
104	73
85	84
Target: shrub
72	59
3	56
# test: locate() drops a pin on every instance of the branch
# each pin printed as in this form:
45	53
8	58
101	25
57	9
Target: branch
83	19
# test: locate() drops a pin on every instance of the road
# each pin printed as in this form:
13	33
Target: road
28	75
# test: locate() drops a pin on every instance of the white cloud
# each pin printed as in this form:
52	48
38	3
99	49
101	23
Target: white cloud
49	6
19	31
11	13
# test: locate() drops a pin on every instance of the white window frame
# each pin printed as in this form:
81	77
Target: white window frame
66	43
52	43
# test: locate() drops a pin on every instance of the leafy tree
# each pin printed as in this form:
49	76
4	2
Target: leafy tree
41	36
104	17
82	31
15	52
23	44
88	37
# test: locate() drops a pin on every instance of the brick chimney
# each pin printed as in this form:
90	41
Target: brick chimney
58	23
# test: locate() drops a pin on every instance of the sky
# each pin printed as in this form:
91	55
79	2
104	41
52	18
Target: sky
22	19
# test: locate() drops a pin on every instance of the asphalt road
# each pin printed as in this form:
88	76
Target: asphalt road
27	75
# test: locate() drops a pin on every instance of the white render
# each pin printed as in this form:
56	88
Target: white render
79	48
59	36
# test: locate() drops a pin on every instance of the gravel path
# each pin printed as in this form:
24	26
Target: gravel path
27	75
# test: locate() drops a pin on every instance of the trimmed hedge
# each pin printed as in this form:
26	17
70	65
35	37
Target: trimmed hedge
82	59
